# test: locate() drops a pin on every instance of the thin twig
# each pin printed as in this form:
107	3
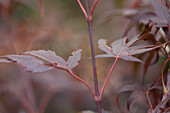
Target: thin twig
108	76
88	15
150	104
93	7
167	110
97	93
162	75
72	74
82	8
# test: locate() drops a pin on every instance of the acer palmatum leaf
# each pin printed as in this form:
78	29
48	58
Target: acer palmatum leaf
50	57
161	15
131	98
31	63
103	42
127	88
73	60
124	50
160	10
5	61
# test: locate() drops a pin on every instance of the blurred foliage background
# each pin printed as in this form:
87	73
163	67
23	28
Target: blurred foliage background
63	29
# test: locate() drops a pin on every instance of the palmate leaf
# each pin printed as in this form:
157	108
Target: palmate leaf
35	61
124	50
73	60
49	56
5	61
131	98
159	17
160	10
31	63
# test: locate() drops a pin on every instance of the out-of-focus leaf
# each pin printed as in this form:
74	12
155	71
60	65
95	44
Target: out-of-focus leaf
124	50
132	88
73	60
31	63
168	82
160	17
50	57
152	86
41	7
104	111
88	111
147	63
160	10
131	98
128	88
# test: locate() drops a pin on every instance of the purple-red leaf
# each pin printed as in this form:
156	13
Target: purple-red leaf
73	60
102	46
5	61
131	98
31	63
132	88
124	50
147	63
128	88
160	10
50	57
160	17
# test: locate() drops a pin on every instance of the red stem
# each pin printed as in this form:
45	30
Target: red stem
72	74
82	8
108	76
162	75
150	104
93	7
167	110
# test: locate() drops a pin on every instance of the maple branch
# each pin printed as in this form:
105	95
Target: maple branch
50	93
93	7
88	15
72	74
82	8
162	75
150	104
108	76
97	93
